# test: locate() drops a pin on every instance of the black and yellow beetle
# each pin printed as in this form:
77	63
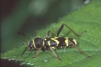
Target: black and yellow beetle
53	42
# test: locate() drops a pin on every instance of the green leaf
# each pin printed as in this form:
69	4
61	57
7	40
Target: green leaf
88	18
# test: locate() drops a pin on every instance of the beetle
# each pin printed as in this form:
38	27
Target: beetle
50	42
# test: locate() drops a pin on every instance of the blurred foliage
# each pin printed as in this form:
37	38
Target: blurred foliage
29	16
87	18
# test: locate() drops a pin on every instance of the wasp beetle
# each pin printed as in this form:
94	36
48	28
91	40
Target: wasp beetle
53	42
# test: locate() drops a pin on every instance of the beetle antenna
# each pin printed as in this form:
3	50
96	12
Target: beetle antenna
26	39
23	35
24	51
